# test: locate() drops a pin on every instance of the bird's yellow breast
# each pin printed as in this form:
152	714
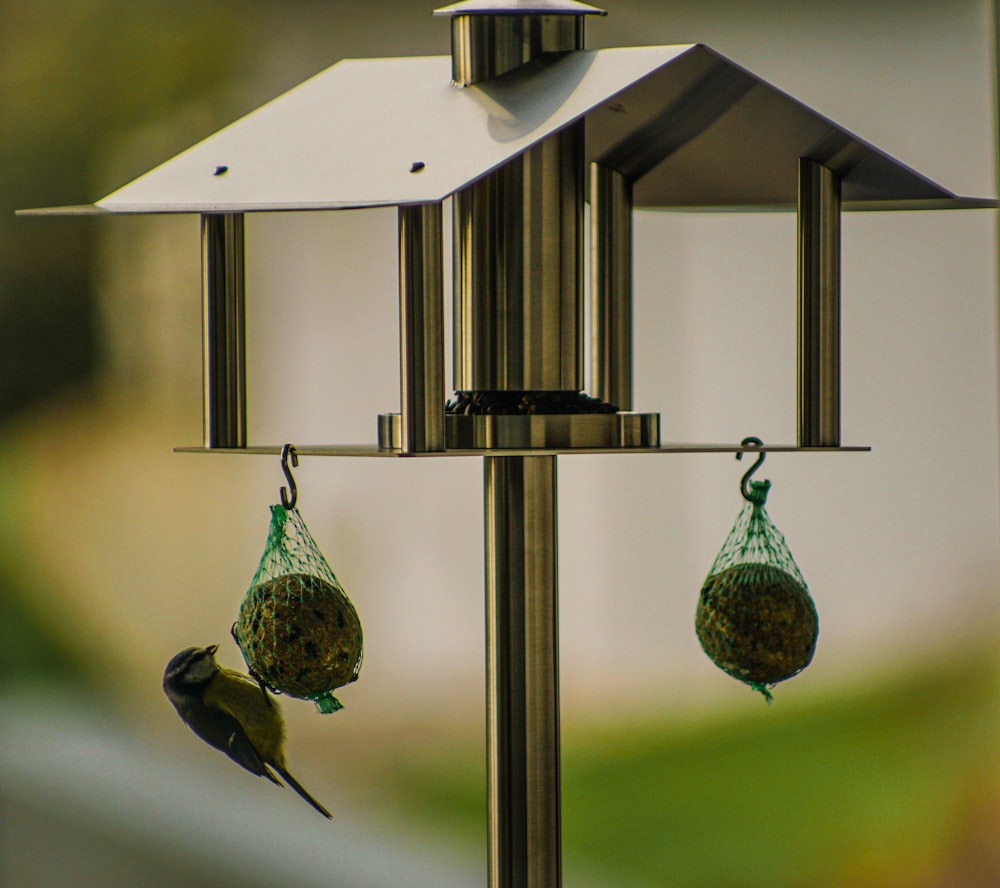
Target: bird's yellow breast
256	711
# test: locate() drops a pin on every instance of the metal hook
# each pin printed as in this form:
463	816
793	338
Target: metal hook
288	500
745	481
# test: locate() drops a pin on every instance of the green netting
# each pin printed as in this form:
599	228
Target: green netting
755	618
299	632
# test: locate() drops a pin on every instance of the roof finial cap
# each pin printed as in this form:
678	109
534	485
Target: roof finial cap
519	7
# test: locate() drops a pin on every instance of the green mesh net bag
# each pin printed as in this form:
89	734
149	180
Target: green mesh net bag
755	618
299	632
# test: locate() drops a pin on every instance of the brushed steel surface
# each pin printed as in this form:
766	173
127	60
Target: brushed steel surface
522	672
559	432
519	7
421	328
354	451
518	275
563	432
390	432
349	136
224	396
818	305
487	46
857	206
517	264
611	286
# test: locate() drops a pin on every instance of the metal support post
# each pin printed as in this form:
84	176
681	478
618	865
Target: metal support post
223	330
518	272
818	305
611	286
484	46
523	776
421	329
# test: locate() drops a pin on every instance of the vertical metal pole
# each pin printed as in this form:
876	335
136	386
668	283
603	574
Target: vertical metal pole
485	45
518	271
611	286
818	306
518	263
223	330
421	328
523	782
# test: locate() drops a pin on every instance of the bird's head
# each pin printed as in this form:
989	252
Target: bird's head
188	672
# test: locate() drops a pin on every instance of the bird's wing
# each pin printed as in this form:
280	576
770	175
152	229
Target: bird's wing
231	735
241	750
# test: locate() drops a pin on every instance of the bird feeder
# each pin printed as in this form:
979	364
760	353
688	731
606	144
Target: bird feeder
522	127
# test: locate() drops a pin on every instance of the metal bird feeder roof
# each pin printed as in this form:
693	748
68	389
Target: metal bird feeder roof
690	128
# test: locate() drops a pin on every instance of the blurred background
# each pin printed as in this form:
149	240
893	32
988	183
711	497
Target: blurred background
877	766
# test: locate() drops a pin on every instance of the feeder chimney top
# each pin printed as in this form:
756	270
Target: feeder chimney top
492	37
519	7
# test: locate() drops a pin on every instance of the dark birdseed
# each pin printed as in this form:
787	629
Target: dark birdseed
514	403
300	635
757	622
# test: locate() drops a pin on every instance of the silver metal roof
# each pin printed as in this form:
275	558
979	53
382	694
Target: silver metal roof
691	128
519	7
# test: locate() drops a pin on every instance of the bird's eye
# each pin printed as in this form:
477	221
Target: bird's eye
193	662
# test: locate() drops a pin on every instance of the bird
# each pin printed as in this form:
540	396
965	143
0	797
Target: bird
233	713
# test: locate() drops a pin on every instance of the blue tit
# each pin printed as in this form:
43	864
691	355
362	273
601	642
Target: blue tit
231	712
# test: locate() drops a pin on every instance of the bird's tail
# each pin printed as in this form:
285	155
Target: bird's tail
301	790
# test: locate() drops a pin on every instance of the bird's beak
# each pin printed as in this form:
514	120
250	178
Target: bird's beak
212	648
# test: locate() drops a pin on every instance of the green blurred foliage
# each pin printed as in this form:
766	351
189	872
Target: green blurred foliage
30	652
887	784
75	78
